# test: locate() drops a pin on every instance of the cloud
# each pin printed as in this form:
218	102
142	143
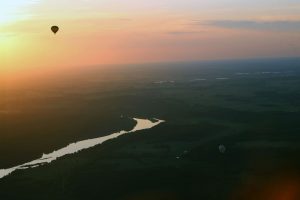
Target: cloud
284	25
183	32
11	11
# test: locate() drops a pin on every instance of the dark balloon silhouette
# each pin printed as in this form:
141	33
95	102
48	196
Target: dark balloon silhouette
54	29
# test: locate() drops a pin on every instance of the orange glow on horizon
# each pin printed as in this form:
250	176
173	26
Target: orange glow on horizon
93	33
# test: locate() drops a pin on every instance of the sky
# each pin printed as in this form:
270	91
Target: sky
99	32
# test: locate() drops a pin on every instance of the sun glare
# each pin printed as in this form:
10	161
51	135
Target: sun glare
12	11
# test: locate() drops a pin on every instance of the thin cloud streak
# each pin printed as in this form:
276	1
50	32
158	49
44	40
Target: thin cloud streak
283	25
184	32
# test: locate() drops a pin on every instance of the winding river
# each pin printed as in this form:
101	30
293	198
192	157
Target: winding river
78	146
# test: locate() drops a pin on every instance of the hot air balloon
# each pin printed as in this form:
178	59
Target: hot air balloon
54	29
222	148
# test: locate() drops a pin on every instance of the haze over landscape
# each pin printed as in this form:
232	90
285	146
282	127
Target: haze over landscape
149	100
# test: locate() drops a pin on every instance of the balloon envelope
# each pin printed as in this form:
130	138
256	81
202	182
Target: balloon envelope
222	148
54	29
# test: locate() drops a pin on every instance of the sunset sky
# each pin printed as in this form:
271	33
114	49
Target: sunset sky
137	31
